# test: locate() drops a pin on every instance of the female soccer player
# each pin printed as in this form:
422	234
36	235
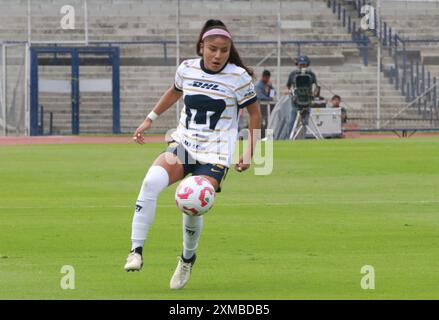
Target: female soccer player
214	88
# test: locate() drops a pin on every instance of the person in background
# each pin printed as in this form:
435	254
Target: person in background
265	93
302	64
264	88
335	103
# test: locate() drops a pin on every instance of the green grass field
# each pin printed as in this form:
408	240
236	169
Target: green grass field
303	232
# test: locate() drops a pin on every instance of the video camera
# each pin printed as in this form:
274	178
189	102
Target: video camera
303	95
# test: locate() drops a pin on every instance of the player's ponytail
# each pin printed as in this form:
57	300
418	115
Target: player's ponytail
234	55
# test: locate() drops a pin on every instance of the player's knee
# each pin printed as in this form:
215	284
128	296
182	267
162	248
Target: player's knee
155	181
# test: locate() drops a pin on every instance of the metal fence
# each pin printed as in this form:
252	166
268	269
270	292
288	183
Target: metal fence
13	89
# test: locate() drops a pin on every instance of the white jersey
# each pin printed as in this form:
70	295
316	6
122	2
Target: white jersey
208	127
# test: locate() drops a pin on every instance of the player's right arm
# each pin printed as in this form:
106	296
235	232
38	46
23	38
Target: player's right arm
168	99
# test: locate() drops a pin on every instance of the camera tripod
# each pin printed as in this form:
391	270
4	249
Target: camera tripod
301	123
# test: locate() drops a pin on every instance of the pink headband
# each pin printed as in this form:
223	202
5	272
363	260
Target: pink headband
216	32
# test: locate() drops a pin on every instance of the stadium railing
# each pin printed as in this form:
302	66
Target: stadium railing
411	78
351	27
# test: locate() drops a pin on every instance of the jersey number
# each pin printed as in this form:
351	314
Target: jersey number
203	110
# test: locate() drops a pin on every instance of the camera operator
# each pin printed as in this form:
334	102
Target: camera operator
302	63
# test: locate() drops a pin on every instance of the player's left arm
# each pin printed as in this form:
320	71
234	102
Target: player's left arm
254	112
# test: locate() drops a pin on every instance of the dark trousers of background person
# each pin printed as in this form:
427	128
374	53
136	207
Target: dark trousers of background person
304	121
264	115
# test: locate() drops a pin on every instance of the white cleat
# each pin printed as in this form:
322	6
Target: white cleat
182	274
134	262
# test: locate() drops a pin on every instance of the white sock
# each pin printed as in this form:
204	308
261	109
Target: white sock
192	227
155	181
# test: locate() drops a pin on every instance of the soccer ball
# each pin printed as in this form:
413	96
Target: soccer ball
195	195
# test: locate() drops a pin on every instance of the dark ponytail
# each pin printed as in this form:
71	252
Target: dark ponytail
234	55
